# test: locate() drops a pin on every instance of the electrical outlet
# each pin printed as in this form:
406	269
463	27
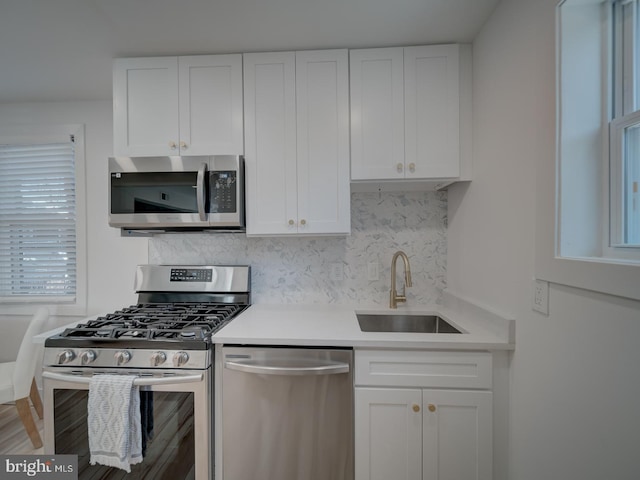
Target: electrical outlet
372	271
541	296
337	272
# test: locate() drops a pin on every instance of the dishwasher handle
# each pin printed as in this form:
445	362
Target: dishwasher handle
252	366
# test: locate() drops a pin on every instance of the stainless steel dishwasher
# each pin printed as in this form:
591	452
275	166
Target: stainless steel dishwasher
287	414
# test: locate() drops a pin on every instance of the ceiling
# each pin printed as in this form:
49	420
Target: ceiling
60	50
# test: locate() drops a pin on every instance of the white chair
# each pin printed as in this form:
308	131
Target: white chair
17	381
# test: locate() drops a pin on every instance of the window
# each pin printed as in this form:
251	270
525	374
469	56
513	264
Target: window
625	126
41	217
599	97
625	177
587	209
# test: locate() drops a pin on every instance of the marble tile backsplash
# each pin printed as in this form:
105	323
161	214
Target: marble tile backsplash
298	269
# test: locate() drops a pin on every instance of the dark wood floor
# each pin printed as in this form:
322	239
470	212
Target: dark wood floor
13	437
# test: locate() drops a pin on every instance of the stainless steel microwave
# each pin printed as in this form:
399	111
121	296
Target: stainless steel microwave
177	193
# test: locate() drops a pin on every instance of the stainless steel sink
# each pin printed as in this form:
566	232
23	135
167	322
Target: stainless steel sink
396	322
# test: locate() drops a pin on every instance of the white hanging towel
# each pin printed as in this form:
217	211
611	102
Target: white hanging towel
115	437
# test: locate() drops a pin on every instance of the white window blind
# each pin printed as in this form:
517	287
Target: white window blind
38	250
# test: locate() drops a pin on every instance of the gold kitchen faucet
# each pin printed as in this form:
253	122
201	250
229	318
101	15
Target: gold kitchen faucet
394	297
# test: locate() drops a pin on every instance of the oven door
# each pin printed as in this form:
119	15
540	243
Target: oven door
158	192
180	410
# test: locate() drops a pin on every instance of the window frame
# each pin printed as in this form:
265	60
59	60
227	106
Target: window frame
624	112
25	134
591	267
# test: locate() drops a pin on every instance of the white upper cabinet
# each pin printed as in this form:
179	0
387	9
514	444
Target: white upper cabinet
270	142
297	143
145	106
188	105
432	112
410	109
210	93
377	113
322	101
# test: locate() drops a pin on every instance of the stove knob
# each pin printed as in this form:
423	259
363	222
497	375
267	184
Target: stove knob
122	357
65	356
158	358
87	357
180	358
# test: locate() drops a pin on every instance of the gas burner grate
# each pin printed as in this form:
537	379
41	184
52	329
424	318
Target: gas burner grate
179	321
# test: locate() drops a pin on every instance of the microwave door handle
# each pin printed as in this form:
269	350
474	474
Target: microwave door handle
200	192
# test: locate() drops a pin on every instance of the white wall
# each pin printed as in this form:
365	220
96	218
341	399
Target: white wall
574	380
111	259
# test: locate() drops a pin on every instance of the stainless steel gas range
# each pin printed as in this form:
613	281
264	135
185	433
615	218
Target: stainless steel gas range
165	342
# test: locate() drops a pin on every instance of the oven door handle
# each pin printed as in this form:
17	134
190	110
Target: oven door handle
266	369
139	381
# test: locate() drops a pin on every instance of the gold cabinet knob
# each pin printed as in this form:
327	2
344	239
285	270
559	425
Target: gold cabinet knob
399	167
303	222
183	145
412	167
432	407
172	145
416	408
291	222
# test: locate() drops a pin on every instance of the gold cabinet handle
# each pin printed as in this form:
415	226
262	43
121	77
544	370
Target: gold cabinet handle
291	222
399	167
412	167
172	145
416	408
183	145
431	407
303	222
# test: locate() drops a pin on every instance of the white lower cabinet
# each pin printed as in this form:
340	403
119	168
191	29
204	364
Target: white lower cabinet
414	432
388	434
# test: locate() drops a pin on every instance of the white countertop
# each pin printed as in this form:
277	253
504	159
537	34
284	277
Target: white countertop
337	325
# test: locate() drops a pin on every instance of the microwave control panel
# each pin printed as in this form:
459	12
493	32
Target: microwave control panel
223	195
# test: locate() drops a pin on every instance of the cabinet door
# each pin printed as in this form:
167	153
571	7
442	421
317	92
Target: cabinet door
322	100
270	143
457	435
432	111
377	114
210	93
388	434
145	106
